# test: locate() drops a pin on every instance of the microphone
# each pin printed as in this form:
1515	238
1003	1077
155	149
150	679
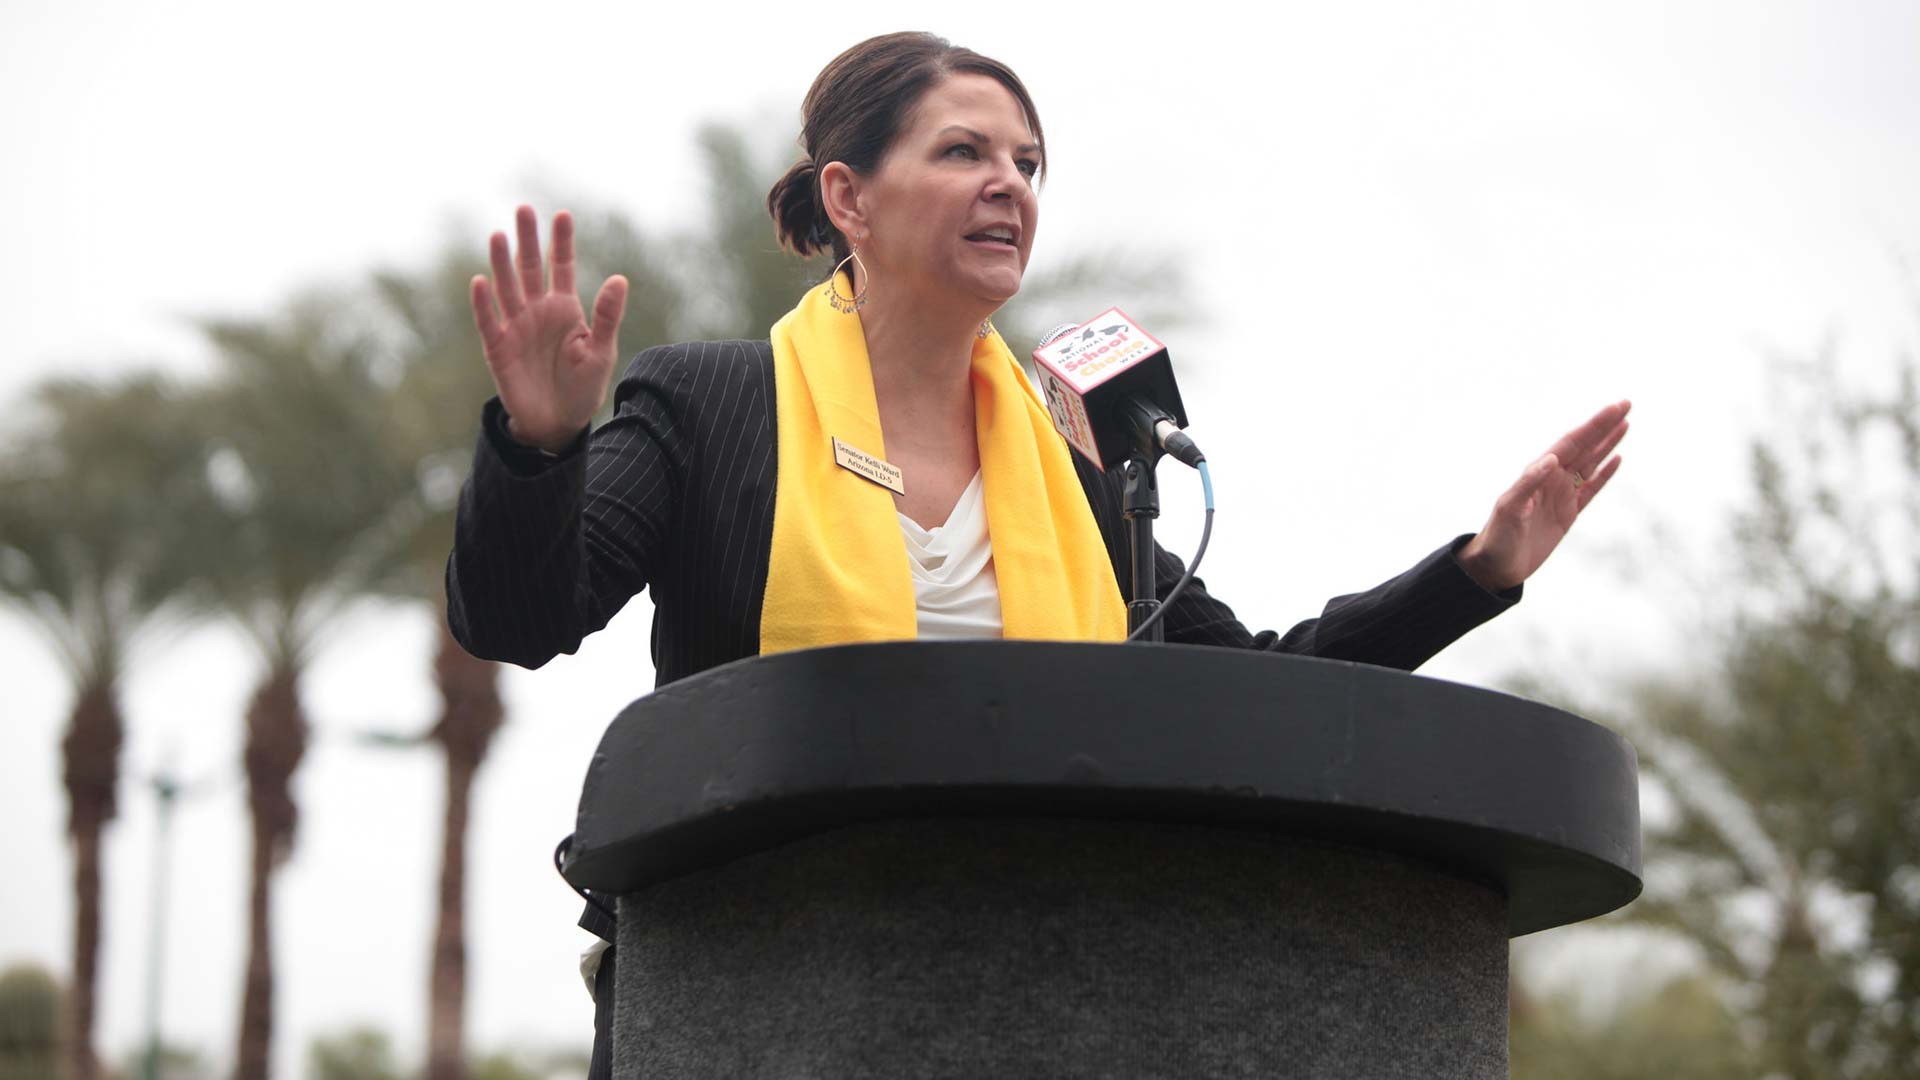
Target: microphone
1110	390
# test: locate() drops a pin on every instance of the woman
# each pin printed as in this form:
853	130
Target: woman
719	481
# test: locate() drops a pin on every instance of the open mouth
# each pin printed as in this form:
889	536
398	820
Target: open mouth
996	237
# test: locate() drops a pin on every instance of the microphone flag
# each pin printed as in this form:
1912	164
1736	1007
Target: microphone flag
1093	374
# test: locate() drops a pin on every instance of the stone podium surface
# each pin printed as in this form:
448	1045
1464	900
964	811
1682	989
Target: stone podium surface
1063	860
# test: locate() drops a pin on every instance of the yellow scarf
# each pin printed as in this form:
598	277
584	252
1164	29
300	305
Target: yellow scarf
839	570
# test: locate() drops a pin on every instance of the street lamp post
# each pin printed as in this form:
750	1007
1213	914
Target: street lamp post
166	790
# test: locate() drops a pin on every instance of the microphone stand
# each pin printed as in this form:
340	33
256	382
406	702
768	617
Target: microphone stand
1140	505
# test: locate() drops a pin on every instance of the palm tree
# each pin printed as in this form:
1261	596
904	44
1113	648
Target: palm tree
311	509
434	420
433	415
90	501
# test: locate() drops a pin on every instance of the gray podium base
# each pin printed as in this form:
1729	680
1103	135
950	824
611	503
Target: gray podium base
1061	948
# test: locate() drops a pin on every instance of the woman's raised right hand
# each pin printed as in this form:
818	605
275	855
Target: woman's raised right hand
550	368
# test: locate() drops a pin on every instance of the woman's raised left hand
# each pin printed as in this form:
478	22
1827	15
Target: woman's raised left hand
1533	516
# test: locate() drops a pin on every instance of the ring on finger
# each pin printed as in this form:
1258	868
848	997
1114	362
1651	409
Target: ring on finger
1577	478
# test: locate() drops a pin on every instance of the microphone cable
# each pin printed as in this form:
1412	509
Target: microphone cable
1206	533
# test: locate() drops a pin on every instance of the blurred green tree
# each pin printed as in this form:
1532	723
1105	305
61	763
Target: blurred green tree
174	1062
1791	862
29	1023
360	1053
312	505
91	493
741	277
1682	1030
507	1065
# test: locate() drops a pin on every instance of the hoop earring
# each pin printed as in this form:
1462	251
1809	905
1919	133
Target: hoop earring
847	305
986	329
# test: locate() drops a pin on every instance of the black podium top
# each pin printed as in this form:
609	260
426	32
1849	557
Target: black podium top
1533	800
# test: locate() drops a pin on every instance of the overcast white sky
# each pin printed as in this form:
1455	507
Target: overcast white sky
1427	237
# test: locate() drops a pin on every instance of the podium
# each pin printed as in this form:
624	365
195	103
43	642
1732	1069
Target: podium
1019	859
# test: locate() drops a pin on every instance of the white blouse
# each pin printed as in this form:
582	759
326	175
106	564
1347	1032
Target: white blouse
955	593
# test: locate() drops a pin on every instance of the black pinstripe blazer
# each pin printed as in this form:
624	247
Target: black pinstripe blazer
675	494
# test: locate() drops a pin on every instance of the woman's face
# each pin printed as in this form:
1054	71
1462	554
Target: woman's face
951	211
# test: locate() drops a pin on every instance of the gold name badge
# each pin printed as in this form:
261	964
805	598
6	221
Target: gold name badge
867	467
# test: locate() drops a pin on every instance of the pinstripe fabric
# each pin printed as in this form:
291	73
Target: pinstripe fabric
675	493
